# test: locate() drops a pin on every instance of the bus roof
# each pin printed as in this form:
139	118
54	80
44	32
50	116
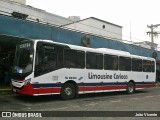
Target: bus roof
98	50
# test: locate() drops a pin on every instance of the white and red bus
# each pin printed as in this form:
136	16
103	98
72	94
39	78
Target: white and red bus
44	67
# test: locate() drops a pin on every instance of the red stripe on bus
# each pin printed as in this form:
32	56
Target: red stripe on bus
145	85
47	90
28	90
98	88
111	87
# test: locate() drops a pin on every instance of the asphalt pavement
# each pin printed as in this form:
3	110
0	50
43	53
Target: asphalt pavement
143	100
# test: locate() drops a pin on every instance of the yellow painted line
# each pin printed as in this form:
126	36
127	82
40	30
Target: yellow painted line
5	89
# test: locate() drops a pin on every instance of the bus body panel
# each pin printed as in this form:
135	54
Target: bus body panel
87	80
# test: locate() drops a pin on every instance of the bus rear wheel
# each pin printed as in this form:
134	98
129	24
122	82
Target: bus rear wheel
68	91
130	88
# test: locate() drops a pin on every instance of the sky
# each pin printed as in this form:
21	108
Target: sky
132	15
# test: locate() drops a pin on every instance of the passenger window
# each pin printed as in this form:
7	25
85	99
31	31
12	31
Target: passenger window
74	58
146	66
48	58
124	63
110	62
153	66
94	60
136	65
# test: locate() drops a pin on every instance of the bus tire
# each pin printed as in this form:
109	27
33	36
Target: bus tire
68	91
130	88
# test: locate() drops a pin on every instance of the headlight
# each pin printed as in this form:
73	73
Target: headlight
27	81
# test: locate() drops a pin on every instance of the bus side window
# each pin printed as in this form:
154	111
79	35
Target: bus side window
153	66
110	62
136	64
39	60
124	63
146	66
47	59
74	58
94	60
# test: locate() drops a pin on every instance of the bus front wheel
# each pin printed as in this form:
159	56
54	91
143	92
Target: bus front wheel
130	88
68	91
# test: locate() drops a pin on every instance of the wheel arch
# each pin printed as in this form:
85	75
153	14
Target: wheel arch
75	85
132	81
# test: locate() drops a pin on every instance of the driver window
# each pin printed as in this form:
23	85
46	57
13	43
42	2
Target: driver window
46	59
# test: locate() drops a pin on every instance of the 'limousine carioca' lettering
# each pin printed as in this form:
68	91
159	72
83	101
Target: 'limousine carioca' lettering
106	76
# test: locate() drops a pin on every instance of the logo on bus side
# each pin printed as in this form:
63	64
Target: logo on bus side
70	78
106	76
73	78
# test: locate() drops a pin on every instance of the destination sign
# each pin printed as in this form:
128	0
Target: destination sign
25	45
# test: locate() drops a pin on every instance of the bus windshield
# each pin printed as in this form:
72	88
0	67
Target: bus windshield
23	63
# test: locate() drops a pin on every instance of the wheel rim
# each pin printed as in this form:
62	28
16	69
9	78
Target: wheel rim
131	88
68	91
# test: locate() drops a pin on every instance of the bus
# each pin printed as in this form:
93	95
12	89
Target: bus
44	67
